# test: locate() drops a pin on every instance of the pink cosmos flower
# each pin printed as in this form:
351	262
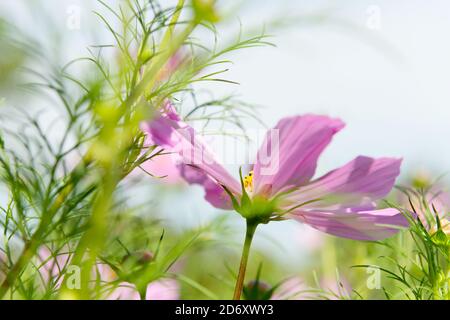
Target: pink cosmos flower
281	184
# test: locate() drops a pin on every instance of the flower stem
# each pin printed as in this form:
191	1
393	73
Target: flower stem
250	232
143	293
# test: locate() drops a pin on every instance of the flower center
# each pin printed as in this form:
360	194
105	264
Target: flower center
248	181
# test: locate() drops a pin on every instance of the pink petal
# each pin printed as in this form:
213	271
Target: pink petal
291	289
161	127
354	186
214	193
364	225
195	153
53	263
168	131
289	154
124	291
165	289
335	289
165	167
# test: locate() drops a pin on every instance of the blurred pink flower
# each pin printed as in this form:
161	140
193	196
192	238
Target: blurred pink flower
166	289
53	265
335	289
175	62
341	203
310	239
424	205
293	288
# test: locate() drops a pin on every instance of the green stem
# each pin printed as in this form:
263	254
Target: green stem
143	293
250	232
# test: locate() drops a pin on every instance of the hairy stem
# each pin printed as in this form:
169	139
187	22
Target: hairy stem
250	232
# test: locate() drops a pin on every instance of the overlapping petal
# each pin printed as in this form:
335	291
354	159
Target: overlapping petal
289	153
363	225
342	202
214	193
355	186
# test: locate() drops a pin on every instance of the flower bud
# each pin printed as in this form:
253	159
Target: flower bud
257	290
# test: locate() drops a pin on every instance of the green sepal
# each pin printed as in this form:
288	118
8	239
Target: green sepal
235	203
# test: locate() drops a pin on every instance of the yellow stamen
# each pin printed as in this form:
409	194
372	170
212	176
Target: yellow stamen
248	181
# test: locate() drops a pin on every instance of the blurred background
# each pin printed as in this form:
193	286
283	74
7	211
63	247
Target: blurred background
381	66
